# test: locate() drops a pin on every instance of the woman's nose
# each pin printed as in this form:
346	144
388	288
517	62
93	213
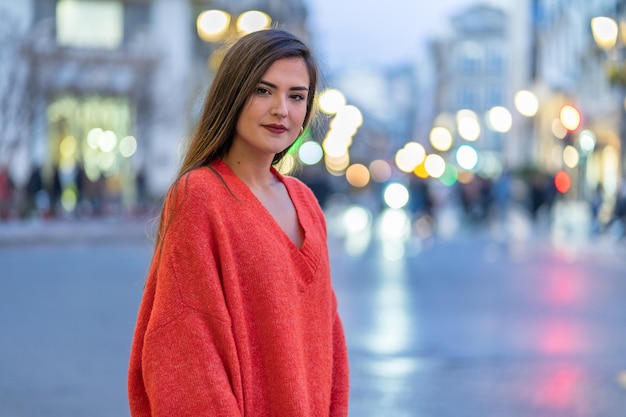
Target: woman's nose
279	107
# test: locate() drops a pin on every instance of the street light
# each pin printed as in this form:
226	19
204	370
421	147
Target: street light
216	26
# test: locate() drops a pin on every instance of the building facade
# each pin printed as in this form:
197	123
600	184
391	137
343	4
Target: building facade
478	66
572	69
104	92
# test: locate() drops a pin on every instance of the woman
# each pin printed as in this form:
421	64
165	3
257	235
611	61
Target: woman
238	316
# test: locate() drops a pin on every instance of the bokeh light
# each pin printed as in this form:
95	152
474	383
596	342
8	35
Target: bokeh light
558	130
347	120
468	125
435	165
252	21
128	146
570	156
526	103
310	153
358	175
212	25
337	165
570	117
562	182
499	119
107	141
587	140
441	138
356	219
450	175
467	157
396	195
411	155
380	170
604	31
420	171
68	146
331	100
93	137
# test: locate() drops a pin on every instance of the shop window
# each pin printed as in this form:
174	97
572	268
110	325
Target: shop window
91	149
90	24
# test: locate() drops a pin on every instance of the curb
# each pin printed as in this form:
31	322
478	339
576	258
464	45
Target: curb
44	232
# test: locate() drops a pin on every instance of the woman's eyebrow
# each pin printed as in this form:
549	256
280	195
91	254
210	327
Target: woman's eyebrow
272	85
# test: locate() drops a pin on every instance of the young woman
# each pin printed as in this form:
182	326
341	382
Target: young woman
238	316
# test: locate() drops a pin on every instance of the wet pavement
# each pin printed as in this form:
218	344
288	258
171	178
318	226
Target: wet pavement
478	323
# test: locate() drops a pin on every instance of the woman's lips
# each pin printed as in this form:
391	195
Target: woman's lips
275	128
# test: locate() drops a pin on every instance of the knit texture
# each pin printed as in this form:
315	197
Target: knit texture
235	319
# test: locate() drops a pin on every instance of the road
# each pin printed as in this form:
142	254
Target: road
457	327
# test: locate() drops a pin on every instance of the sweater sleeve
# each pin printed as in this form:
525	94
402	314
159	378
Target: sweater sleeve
184	359
340	388
186	369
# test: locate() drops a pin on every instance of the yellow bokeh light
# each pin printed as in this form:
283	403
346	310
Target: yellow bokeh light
411	155
441	138
69	199
420	171
336	145
604	30
252	21
331	100
68	145
526	103
287	164
570	156
337	165
570	117
212	25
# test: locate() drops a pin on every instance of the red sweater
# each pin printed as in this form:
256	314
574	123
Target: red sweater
235	319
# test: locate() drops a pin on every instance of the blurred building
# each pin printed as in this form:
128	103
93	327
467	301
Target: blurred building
99	94
571	69
388	105
479	65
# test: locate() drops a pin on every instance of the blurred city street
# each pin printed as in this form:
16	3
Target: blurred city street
471	324
472	167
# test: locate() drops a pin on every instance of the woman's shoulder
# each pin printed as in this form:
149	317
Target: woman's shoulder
201	179
199	186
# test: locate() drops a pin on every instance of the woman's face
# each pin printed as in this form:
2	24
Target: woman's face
271	119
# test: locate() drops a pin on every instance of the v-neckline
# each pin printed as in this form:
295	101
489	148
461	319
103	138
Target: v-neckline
260	207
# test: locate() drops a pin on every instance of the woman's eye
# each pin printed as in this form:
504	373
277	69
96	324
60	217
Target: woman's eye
262	90
298	97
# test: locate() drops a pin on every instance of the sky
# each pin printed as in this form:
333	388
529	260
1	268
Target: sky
383	33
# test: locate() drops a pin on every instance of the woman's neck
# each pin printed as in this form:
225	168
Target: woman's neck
255	173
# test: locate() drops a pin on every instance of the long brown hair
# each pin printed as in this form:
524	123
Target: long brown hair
243	66
239	74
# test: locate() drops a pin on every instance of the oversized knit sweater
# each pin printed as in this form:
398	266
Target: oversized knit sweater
235	319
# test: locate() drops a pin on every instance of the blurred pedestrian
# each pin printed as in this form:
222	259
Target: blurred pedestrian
595	206
238	316
618	221
6	193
